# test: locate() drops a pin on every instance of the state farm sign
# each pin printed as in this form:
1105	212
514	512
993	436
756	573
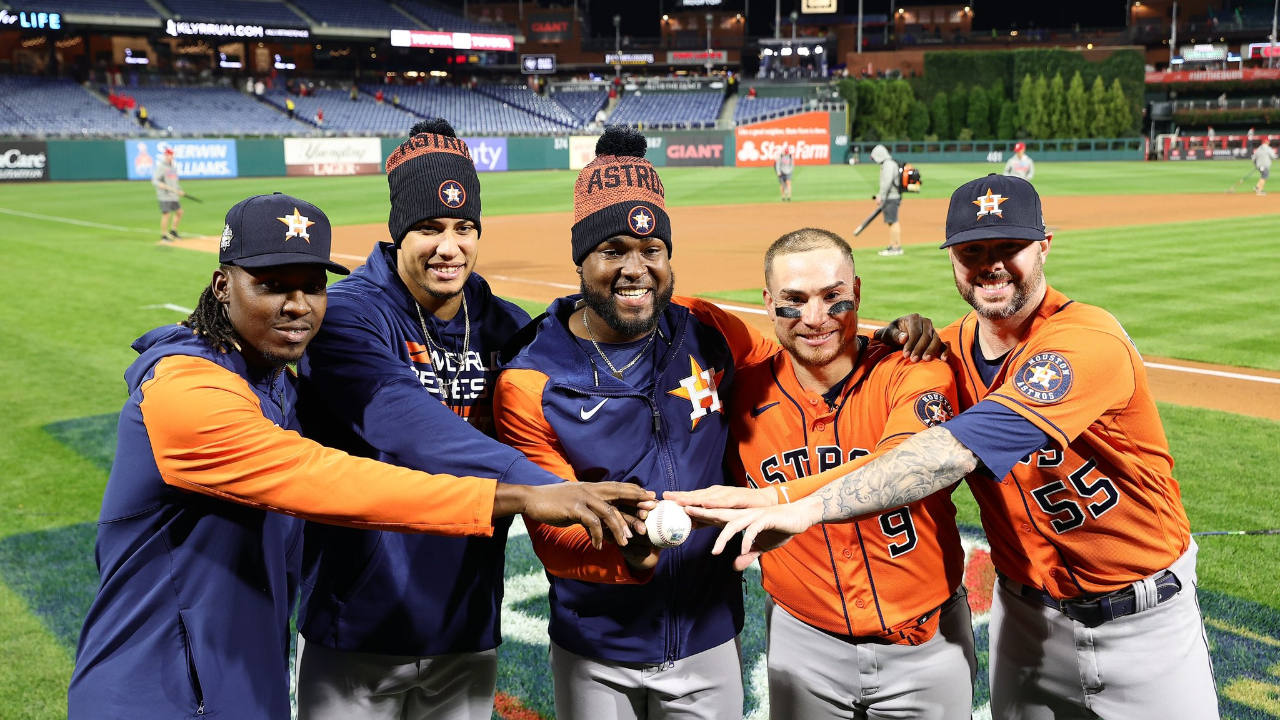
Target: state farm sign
694	149
806	135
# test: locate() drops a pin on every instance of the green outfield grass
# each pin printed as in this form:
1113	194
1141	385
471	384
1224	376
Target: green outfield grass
74	297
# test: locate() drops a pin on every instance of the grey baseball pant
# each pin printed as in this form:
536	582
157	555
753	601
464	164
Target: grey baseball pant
342	685
1153	664
706	686
816	676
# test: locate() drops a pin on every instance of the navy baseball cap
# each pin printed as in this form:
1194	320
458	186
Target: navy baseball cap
277	229
995	207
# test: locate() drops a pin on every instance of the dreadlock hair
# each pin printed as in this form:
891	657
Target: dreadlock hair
210	321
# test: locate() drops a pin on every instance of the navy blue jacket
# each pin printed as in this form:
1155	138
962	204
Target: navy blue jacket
565	410
192	615
370	387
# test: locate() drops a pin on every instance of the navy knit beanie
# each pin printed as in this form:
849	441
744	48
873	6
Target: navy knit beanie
431	175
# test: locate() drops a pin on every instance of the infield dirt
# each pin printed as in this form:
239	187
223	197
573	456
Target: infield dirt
720	248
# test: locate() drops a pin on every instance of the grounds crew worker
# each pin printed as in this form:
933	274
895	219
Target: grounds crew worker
407	626
889	197
1095	611
1262	157
198	555
1020	165
783	166
165	180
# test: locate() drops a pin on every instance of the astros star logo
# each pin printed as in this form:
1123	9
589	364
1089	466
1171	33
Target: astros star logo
933	408
452	194
640	219
1043	375
298	224
989	204
700	389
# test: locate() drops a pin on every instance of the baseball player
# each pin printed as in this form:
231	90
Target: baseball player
1095	611
889	197
168	192
783	166
198	555
1020	165
400	626
626	360
1262	157
869	618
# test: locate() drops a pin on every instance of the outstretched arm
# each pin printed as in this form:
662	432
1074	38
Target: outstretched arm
923	464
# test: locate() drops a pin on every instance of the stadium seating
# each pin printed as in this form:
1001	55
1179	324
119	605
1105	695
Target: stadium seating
344	13
363	117
668	110
469	112
213	111
522	97
582	104
125	8
252	12
764	108
32	106
441	19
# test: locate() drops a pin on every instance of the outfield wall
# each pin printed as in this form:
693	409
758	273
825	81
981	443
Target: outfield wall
813	138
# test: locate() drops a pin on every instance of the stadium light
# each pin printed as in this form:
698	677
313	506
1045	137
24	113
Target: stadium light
968	9
665	18
818	50
786	51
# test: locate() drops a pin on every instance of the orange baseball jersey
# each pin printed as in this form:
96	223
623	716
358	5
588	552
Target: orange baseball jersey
881	575
1097	508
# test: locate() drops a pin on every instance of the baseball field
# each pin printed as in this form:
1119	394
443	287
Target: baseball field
1190	271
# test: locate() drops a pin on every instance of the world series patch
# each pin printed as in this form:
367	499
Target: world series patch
933	408
1045	378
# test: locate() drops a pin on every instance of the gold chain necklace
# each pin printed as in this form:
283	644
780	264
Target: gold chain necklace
616	372
462	356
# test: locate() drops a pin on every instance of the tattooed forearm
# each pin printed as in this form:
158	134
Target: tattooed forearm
920	466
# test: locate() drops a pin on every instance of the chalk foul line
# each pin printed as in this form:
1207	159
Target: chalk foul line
72	221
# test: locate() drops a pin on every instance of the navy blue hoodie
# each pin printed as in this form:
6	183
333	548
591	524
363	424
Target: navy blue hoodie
370	386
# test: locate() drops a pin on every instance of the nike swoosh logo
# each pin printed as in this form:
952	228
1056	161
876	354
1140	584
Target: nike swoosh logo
755	412
588	414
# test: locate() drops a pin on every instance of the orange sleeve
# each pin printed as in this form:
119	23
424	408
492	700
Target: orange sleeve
1067	378
519	421
209	436
920	396
745	342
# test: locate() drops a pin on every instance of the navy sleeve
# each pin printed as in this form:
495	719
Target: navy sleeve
354	374
999	436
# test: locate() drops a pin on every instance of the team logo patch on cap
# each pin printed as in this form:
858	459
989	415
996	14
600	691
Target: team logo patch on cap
989	204
298	224
641	221
1045	378
452	194
933	408
226	237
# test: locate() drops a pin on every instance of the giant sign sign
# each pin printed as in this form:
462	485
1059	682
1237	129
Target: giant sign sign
20	160
551	26
193	159
332	156
694	149
452	40
488	153
806	135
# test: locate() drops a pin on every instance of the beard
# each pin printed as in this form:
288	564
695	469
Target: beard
606	308
816	357
1023	290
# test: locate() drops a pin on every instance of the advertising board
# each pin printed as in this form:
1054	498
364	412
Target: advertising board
694	149
193	159
332	156
488	153
22	160
806	135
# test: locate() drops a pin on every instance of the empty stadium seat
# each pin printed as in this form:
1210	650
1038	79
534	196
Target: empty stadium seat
32	106
344	13
124	8
582	104
441	19
469	112
668	110
341	115
250	12
213	111
522	97
764	108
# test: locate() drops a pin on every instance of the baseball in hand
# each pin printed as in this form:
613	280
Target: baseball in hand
668	524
